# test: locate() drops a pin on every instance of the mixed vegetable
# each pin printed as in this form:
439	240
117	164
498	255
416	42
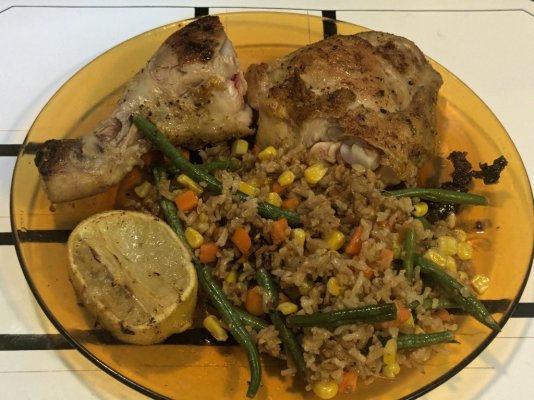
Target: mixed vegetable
286	222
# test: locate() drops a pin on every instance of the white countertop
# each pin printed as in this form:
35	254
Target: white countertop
488	44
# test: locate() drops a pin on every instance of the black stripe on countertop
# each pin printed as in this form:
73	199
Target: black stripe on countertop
524	310
9	150
6	239
44	236
55	341
329	27
201	11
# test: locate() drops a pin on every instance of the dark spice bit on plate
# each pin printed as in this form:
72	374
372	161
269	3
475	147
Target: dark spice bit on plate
462	179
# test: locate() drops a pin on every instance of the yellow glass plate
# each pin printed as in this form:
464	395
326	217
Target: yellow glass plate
179	369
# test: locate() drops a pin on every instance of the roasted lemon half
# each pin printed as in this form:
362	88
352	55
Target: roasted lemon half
134	274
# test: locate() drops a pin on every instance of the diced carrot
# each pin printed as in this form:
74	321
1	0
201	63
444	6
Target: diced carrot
385	257
183	152
186	201
349	382
254	301
369	273
277	188
403	315
242	240
290	204
355	243
208	252
279	230
444	315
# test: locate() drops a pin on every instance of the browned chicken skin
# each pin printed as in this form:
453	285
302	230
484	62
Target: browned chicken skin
192	88
368	97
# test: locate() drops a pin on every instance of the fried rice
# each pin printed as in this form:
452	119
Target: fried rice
347	197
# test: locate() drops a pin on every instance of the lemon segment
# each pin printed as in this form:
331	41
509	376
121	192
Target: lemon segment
134	274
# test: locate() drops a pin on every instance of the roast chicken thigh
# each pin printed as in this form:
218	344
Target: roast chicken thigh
368	98
192	88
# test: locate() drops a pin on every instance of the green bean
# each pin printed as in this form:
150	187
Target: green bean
231	164
458	293
270	211
198	174
217	297
289	341
256	323
423	339
291	346
366	314
439	196
429	304
409	248
266	282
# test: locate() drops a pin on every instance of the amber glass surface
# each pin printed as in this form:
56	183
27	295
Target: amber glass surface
503	251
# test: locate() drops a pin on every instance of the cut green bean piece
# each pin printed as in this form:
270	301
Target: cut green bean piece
366	314
439	196
289	341
409	248
266	282
440	304
254	322
231	164
458	293
423	339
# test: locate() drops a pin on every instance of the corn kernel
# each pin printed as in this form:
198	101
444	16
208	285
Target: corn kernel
274	199
214	327
248	189
286	178
315	173
143	189
420	209
287	307
194	238
189	183
391	370
390	352
239	147
325	389
231	277
334	240
447	245
460	235
333	287
437	258
450	264
465	251
409	324
299	235
480	283
267	153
